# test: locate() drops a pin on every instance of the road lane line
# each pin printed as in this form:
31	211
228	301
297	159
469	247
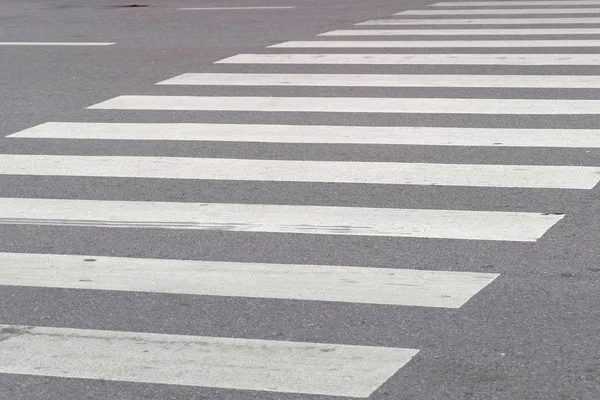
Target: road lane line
517	3
462	32
420	44
415	59
56	43
354	105
316	134
503	11
385	173
387	80
232	363
390	286
484	21
235	8
315	220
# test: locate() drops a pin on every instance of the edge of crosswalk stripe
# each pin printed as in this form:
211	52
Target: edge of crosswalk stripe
463	32
354	105
314	220
515	3
386	80
483	21
415	59
385	286
383	173
344	44
230	363
502	11
56	43
315	134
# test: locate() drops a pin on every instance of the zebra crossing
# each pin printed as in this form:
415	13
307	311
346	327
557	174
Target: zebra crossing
309	368
485	21
387	80
316	134
569	59
352	105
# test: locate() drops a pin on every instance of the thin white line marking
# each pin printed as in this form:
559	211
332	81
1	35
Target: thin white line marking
508	11
315	220
462	32
234	8
516	3
274	366
483	21
386	173
391	44
354	105
403	287
369	135
416	59
387	80
56	44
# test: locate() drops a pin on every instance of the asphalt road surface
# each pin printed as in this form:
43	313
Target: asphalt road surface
285	199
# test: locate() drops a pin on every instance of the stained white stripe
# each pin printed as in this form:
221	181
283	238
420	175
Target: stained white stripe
274	366
416	59
340	44
482	21
516	3
462	32
388	80
55	44
316	134
316	220
526	176
234	8
353	105
390	286
503	11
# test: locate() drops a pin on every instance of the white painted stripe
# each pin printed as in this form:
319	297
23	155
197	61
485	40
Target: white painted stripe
388	80
387	173
416	59
462	32
428	136
316	220
353	105
503	11
389	44
403	287
234	8
517	3
55	44
232	363
482	21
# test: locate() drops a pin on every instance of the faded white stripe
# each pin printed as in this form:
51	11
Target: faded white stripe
388	80
416	59
483	21
503	11
405	287
234	8
482	175
55	44
462	32
428	136
316	220
418	44
565	177
516	3
353	105
274	366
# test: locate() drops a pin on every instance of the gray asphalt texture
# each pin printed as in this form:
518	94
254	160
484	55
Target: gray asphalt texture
534	333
